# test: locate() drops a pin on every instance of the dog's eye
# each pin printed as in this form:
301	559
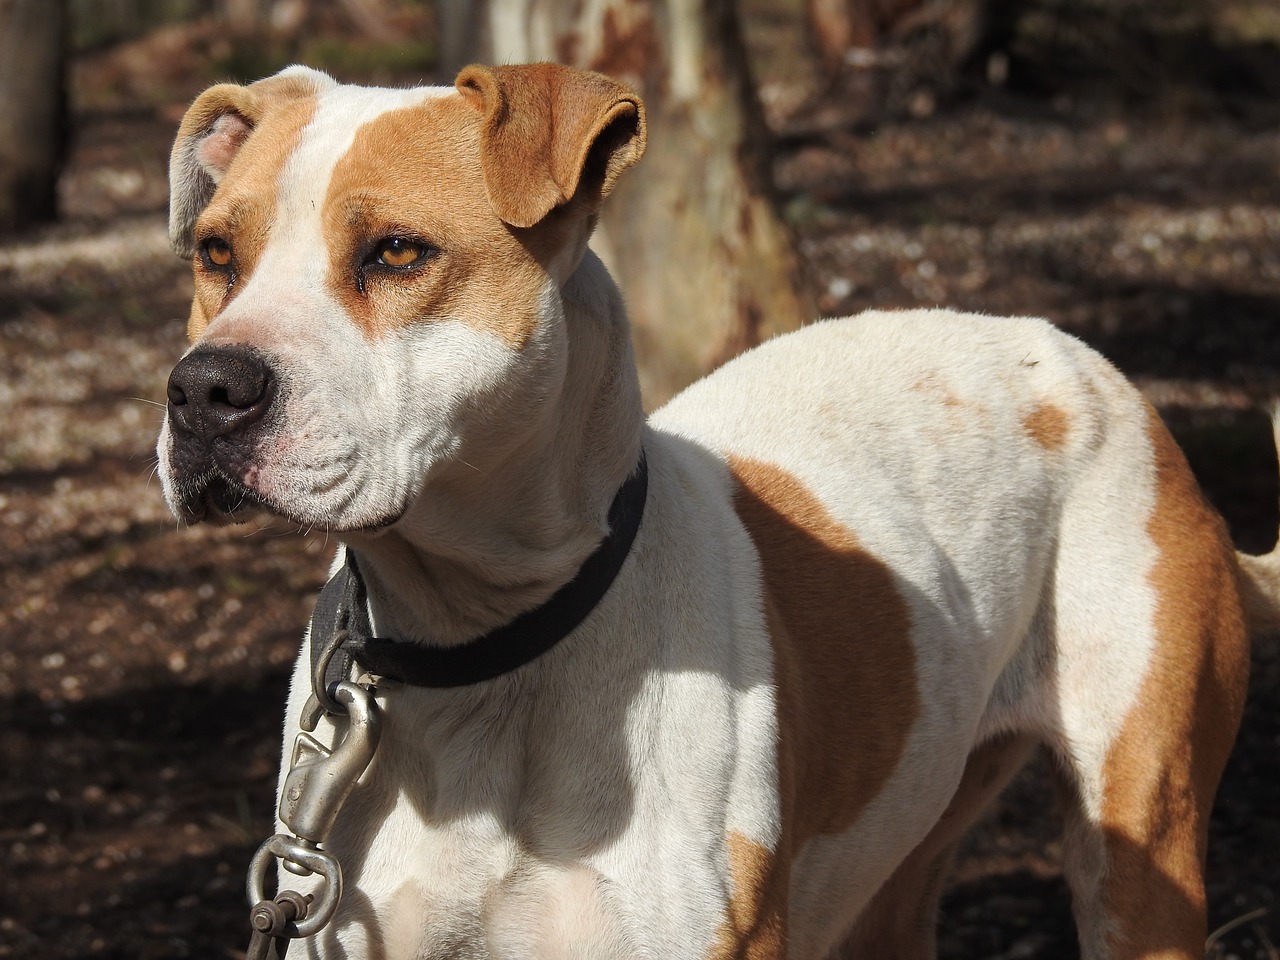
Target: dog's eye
216	253
400	252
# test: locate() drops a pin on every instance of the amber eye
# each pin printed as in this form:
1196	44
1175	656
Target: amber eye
400	252
217	252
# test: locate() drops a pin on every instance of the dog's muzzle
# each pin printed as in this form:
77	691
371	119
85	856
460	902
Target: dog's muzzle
220	401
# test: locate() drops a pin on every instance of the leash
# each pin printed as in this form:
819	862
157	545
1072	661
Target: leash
342	645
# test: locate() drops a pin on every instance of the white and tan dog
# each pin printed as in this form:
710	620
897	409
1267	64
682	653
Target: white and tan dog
879	559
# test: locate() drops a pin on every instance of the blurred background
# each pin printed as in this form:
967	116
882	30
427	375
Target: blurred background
1113	165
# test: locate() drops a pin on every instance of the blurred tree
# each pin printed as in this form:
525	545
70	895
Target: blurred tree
845	29
289	17
895	55
692	233
32	109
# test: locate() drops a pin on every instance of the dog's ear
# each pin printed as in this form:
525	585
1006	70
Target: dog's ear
212	132
551	134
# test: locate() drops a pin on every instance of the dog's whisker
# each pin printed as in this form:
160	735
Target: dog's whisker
151	475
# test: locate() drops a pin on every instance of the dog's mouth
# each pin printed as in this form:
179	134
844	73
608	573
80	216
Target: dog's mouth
213	497
216	498
222	481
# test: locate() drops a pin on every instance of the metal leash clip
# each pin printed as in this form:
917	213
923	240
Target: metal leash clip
318	783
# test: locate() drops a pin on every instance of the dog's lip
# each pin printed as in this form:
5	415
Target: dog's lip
219	499
215	497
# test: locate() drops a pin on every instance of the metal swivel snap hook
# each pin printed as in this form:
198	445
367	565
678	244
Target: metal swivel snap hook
320	779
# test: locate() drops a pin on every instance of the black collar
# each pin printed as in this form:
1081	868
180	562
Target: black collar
341	632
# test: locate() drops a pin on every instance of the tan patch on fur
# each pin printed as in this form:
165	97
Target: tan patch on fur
845	665
197	320
243	209
1048	425
935	389
502	180
754	927
1163	767
413	172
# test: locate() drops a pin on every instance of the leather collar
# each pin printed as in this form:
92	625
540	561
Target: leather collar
341	632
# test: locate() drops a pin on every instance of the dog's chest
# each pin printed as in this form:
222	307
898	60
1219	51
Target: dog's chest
485	900
463	842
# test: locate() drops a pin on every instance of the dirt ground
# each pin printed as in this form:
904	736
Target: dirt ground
143	666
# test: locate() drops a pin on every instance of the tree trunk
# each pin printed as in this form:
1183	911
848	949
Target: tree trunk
692	233
32	110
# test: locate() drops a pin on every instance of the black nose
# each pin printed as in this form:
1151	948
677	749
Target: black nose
215	392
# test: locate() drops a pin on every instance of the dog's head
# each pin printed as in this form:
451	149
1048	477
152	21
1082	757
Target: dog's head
378	281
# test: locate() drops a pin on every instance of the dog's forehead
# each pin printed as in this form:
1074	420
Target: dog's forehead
285	170
344	114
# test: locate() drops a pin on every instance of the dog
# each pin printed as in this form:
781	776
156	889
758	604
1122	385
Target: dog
729	682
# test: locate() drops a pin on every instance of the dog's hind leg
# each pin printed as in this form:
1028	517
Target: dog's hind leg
901	921
1141	775
1135	859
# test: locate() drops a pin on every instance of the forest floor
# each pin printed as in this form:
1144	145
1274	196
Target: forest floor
143	665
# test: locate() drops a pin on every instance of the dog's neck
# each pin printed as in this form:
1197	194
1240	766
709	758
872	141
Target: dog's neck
483	544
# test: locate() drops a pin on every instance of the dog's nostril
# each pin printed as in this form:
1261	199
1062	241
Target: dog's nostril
243	388
176	396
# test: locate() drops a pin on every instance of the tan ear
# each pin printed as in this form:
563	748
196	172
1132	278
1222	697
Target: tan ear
212	132
550	134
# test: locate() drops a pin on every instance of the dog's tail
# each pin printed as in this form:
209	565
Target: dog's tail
1260	575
